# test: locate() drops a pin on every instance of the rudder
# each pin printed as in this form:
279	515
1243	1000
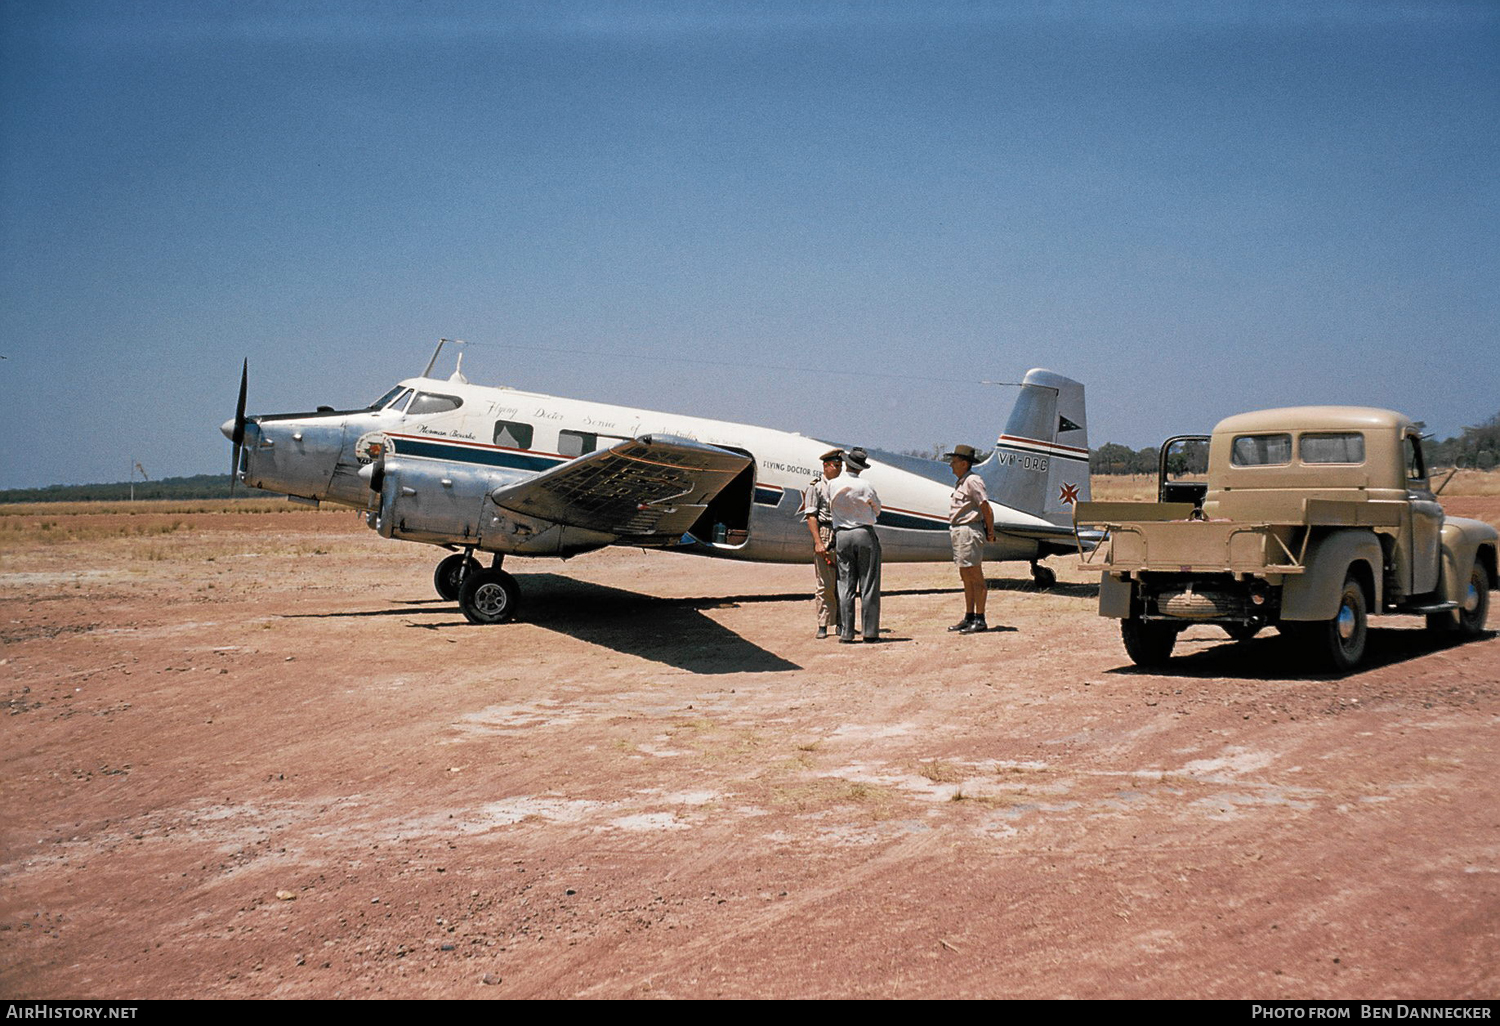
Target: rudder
1041	460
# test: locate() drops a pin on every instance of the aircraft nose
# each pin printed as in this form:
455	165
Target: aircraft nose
228	428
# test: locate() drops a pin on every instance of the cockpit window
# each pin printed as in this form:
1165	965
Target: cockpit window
379	404
431	402
400	404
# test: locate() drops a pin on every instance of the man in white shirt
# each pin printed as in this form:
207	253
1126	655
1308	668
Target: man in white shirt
855	509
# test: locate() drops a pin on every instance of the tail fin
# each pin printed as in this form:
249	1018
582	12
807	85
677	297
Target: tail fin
1041	461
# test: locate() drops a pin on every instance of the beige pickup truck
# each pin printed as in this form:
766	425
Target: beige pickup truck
1310	519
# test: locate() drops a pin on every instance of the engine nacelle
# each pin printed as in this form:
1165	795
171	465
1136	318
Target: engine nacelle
449	504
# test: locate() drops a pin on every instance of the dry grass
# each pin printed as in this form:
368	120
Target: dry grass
62	531
1123	487
940	772
158	506
820	794
1469	482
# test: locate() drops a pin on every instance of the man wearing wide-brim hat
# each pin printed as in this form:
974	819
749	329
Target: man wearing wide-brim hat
971	523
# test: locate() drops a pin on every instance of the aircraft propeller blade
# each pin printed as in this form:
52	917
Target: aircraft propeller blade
237	436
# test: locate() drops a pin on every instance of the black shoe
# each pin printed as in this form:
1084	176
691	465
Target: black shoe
962	624
848	641
974	626
822	633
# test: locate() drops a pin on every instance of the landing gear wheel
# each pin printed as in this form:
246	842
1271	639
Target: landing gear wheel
447	577
489	596
1343	638
1043	576
1242	631
1148	643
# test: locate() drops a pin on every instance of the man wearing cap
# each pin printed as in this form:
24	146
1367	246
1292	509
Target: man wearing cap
817	507
855	509
971	523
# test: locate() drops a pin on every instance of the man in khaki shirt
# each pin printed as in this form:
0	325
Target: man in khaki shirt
971	523
818	509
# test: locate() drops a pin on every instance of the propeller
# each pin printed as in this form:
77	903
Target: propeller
236	432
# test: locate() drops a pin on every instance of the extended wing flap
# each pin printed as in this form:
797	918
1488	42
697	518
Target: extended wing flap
654	485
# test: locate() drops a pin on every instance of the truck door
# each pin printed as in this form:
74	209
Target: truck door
1426	522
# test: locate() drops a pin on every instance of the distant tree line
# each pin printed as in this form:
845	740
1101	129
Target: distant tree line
199	486
1475	447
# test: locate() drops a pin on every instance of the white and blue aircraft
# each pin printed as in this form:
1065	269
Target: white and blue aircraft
473	468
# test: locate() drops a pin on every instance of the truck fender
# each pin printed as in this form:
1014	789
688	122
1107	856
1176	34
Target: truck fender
1315	593
1465	541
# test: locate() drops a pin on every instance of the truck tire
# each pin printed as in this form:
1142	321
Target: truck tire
1148	643
1343	638
1474	607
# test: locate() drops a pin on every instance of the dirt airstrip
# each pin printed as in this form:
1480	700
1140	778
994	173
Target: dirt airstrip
253	755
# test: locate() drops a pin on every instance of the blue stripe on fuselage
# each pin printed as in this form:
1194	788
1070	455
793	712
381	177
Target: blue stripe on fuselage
509	459
907	521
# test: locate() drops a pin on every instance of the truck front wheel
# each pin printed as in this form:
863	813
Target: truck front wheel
1343	638
1148	643
1474	606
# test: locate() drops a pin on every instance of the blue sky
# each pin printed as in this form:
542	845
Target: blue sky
837	218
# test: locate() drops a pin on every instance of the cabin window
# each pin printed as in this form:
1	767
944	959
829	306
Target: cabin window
576	443
1261	450
1341	447
400	404
431	402
379	404
511	434
1416	467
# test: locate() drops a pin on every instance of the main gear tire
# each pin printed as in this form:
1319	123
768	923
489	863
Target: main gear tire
489	597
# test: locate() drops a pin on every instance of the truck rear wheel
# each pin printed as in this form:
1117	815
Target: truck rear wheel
1343	638
1148	642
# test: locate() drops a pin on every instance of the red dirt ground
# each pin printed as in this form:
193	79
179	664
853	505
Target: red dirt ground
254	756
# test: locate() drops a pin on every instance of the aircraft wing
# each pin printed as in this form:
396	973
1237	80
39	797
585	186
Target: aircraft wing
1053	540
651	486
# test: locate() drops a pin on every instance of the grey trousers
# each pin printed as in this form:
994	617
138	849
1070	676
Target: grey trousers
859	571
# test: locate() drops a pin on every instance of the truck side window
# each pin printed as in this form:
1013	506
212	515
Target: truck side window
1340	447
1261	450
511	434
576	443
1416	468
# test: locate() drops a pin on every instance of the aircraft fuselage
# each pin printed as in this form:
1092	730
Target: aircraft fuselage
423	460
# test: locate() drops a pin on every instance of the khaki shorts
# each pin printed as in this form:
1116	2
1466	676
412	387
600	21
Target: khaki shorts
968	544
